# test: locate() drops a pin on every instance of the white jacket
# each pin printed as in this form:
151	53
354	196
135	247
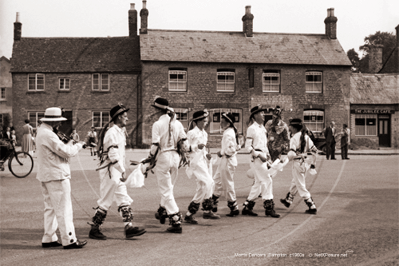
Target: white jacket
53	155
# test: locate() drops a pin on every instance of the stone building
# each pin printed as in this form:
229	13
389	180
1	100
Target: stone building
306	74
84	76
5	92
374	101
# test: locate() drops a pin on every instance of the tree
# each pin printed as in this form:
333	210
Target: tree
386	39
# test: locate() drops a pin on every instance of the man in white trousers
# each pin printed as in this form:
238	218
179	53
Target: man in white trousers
303	154
198	167
111	152
167	135
256	144
54	174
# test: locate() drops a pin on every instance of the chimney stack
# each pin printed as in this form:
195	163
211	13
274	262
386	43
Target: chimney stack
375	58
144	18
247	22
331	24
17	29
132	21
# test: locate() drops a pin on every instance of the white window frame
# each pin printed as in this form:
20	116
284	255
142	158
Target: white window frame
226	85
314	86
270	85
177	84
34	117
102	121
37	78
66	84
2	94
367	129
216	130
313	124
99	86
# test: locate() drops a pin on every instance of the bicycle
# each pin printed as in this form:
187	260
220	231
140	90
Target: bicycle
20	163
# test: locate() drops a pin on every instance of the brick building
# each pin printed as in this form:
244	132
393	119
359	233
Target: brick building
306	74
5	92
85	76
374	101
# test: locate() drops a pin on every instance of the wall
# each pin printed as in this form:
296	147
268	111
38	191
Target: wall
80	99
6	82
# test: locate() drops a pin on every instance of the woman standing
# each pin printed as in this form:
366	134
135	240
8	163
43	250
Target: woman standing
27	138
224	177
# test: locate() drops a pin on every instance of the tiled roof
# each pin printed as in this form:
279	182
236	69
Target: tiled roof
234	47
374	88
116	54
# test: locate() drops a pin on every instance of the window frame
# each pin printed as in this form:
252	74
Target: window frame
239	124
183	82
100	84
316	113
313	83
34	122
366	130
101	122
271	73
3	92
224	84
36	76
59	84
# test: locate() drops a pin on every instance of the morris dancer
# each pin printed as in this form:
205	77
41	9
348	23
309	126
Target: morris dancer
303	153
256	144
111	152
198	167
167	135
278	137
224	176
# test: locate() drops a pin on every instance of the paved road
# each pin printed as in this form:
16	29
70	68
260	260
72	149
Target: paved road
357	222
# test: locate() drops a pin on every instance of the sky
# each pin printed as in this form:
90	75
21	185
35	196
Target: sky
101	18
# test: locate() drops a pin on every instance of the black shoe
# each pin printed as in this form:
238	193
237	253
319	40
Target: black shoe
95	233
77	244
51	245
285	202
272	213
311	211
190	219
131	231
233	213
175	229
245	211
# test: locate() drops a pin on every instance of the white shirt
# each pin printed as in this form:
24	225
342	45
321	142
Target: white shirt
257	133
114	143
160	133
295	143
195	137
229	145
52	155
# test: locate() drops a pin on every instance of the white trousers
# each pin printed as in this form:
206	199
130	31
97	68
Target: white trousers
224	178
112	189
166	172
298	184
263	182
58	212
199	169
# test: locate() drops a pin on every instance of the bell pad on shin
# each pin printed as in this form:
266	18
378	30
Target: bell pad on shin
99	216
126	213
207	204
193	207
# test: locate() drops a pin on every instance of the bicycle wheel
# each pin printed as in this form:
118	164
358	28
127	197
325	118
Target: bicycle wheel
20	164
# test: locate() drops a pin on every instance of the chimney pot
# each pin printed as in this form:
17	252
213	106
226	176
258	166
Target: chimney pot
132	15
17	29
144	18
132	7
331	24
247	22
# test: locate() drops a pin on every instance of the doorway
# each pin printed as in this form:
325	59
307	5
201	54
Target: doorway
384	130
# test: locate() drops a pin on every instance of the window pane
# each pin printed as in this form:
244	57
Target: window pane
40	82
104	82
97	119
360	121
96	82
3	93
105	118
32	82
67	84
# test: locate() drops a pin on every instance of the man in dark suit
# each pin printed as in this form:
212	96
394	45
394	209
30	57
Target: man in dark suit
329	134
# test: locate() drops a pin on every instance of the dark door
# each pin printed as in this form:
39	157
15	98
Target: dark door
66	126
384	130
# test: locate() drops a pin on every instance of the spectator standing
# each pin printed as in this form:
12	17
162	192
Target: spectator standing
27	138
